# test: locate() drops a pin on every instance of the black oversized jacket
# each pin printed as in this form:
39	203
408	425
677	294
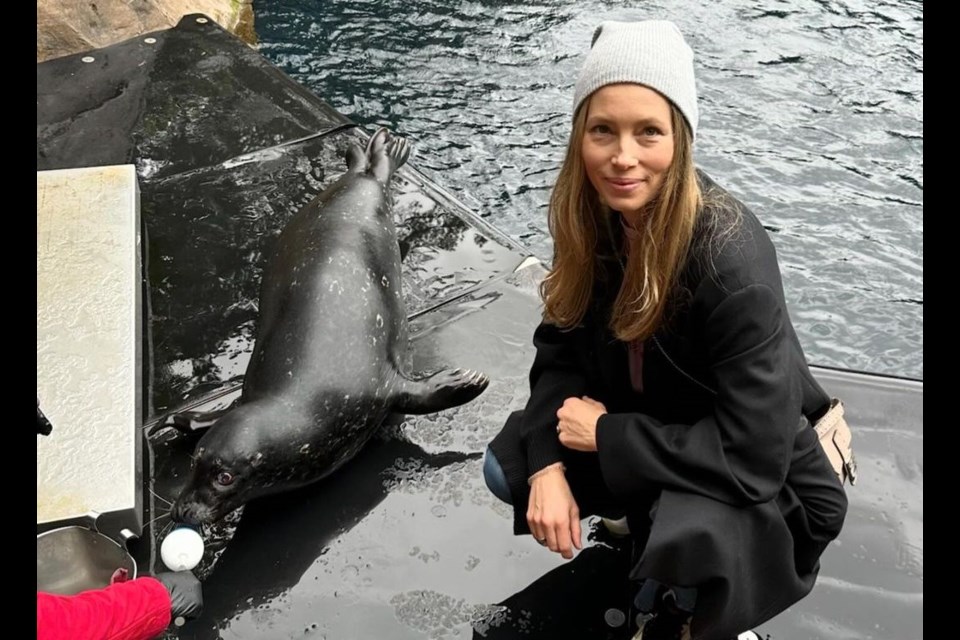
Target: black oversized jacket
715	464
725	381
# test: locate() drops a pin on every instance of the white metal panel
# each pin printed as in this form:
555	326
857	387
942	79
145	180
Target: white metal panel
88	342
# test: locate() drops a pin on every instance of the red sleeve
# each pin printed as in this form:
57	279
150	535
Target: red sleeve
134	610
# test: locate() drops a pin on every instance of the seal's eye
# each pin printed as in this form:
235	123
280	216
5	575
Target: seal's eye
225	478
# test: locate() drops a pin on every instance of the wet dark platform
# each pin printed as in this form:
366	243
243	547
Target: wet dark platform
405	541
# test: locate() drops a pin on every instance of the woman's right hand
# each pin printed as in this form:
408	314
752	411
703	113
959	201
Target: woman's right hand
552	513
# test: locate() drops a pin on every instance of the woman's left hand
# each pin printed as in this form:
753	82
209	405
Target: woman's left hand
577	426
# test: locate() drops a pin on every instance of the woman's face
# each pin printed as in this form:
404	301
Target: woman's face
627	146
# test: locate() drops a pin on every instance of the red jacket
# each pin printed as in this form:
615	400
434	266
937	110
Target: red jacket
134	610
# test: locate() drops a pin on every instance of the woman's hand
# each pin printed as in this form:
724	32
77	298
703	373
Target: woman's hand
552	513
577	426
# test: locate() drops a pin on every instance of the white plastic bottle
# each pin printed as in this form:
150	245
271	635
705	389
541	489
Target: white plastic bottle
182	549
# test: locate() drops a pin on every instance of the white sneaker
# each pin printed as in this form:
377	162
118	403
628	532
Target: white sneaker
617	528
748	635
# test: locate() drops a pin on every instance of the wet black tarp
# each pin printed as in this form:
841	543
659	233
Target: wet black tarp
405	541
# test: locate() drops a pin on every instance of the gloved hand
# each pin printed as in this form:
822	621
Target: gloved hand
186	596
43	425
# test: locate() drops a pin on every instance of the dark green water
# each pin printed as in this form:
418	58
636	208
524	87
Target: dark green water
811	112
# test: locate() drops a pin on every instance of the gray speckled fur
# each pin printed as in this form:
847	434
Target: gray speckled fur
329	362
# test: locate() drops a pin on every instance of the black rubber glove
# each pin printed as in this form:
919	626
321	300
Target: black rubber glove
186	596
43	425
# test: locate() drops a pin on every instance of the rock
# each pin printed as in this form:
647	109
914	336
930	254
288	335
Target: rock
64	28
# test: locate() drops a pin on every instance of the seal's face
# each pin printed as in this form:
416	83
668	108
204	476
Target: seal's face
249	453
219	483
230	467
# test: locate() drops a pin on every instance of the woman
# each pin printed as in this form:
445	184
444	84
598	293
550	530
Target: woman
668	386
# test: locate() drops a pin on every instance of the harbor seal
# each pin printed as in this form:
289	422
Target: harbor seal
330	361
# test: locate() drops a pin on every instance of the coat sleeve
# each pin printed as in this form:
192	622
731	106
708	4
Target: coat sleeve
738	454
134	610
557	374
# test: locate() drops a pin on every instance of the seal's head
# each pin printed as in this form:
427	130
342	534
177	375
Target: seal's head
233	464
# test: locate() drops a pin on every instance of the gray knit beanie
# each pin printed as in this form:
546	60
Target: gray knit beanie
651	53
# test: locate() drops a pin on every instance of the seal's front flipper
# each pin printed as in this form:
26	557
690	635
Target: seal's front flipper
193	421
443	390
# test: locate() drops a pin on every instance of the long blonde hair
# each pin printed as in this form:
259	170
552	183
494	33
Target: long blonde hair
655	259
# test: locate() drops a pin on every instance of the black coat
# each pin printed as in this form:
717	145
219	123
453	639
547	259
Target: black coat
715	462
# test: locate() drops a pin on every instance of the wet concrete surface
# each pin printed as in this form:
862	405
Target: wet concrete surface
406	541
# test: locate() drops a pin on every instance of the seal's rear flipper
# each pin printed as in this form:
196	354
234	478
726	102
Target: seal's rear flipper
193	421
443	390
377	142
386	154
356	159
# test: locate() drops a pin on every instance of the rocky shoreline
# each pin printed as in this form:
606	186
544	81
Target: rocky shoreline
64	28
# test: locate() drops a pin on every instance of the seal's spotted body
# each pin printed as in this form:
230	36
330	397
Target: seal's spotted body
329	361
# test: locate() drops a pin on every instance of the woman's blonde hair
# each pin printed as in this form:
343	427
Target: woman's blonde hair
655	258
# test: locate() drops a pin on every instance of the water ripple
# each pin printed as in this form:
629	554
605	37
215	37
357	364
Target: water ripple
812	113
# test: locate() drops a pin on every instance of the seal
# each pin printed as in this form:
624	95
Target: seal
331	359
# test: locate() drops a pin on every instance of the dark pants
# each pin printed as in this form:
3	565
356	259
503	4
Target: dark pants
747	563
649	591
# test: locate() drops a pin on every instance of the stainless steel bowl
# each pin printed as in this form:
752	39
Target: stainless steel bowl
75	559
